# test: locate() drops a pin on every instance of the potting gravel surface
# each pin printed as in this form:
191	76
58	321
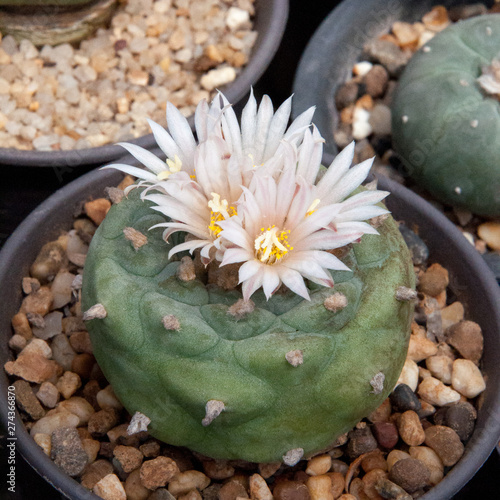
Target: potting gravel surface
364	101
64	98
399	451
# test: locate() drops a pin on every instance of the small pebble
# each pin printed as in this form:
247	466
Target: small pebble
27	401
436	393
38	302
95	472
390	490
290	490
431	460
411	474
101	422
388	55
461	417
110	488
418	249
445	442
50	327
67	451
403	399
386	434
410	429
360	441
320	487
467	338
158	472
466	378
346	95
49	261
409	374
129	457
440	367
376	80
134	488
33	368
48	394
68	384
97	209
434	280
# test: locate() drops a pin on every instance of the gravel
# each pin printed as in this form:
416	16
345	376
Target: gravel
65	98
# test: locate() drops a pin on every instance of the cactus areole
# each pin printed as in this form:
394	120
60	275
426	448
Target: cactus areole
446	115
270	406
275	377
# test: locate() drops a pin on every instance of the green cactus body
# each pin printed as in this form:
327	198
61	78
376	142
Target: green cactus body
445	126
169	371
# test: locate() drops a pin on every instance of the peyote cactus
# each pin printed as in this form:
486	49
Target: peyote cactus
269	378
446	115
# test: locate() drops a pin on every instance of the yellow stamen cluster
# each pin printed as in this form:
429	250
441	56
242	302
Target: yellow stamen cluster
220	210
173	166
272	245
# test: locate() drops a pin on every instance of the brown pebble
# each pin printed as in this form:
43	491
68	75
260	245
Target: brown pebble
386	434
33	368
130	458
97	209
21	325
382	413
338	483
445	442
360	441
218	469
374	460
370	480
38	302
82	365
30	285
106	449
134	488
467	338
434	281
80	342
67	451
102	421
90	391
346	95
95	472
376	80
291	490
410	429
267	470
388	489
150	449
158	472
48	262
409	473
27	401
232	490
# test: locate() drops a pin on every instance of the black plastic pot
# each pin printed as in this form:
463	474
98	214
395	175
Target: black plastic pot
338	43
270	21
471	281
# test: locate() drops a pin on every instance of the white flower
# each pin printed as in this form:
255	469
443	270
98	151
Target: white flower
285	226
200	183
257	141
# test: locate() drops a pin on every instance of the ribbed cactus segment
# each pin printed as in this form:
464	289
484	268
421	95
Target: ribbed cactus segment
221	381
445	125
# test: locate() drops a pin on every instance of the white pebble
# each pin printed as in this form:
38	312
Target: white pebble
362	68
436	393
38	346
440	367
218	77
236	17
54	420
361	127
107	399
466	378
409	374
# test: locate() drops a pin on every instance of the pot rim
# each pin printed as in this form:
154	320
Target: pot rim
336	45
402	202
270	25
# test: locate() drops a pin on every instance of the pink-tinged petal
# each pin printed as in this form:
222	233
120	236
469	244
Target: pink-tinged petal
284	194
250	269
234	255
337	169
147	158
361	213
310	153
180	130
328	260
140	173
173	227
327	240
305	264
270	281
201	119
277	128
301	123
249	124
177	211
231	129
251	285
364	198
234	233
234	179
205	254
264	117
165	141
349	182
294	281
301	202
316	221
191	245
359	226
